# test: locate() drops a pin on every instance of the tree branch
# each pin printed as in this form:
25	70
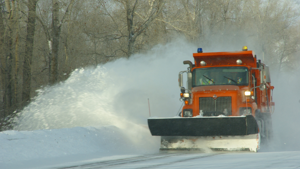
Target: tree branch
149	19
66	13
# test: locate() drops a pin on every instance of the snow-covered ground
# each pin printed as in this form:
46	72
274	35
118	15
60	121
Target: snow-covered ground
44	148
103	147
100	113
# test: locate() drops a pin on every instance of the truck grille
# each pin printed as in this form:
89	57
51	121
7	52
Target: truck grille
215	107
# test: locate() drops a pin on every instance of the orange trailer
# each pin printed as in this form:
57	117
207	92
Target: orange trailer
227	104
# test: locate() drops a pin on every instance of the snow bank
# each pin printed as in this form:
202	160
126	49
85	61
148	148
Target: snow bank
28	149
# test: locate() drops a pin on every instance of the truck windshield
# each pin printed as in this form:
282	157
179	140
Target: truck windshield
220	76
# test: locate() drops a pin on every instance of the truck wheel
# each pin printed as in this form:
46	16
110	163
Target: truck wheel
264	122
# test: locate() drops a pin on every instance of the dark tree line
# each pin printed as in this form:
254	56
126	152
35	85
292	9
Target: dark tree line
43	41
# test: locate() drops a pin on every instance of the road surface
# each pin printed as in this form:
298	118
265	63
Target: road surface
220	160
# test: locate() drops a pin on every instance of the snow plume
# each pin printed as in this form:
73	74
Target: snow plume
286	119
114	95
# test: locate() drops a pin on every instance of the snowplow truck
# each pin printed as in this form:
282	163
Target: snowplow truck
227	104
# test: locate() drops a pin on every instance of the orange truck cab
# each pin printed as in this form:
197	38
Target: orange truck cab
229	84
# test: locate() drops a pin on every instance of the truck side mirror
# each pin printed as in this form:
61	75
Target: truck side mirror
189	80
180	77
262	86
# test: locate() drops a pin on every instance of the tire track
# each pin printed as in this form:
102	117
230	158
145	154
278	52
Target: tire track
178	161
141	160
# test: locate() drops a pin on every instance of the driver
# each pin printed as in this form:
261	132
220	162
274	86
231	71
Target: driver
206	79
235	78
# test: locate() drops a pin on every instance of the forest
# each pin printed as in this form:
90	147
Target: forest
43	41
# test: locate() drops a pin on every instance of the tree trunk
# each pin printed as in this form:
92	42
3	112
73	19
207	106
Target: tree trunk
131	39
16	74
2	58
8	70
55	43
28	52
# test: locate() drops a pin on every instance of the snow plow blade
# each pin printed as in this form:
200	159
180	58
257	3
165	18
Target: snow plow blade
204	126
217	133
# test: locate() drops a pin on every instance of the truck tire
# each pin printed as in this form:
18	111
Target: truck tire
264	121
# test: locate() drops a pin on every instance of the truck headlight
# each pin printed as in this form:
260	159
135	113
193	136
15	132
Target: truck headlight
187	113
247	93
186	95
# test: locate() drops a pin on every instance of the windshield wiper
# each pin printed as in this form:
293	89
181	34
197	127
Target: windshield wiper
231	79
209	79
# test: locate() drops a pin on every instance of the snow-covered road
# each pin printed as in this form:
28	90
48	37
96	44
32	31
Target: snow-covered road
274	160
112	147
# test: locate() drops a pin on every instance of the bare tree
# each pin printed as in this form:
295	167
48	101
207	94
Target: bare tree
2	28
52	33
9	62
56	29
55	43
8	54
29	51
134	29
273	27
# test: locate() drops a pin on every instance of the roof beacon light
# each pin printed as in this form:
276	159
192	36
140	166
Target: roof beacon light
245	48
203	63
199	50
239	62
